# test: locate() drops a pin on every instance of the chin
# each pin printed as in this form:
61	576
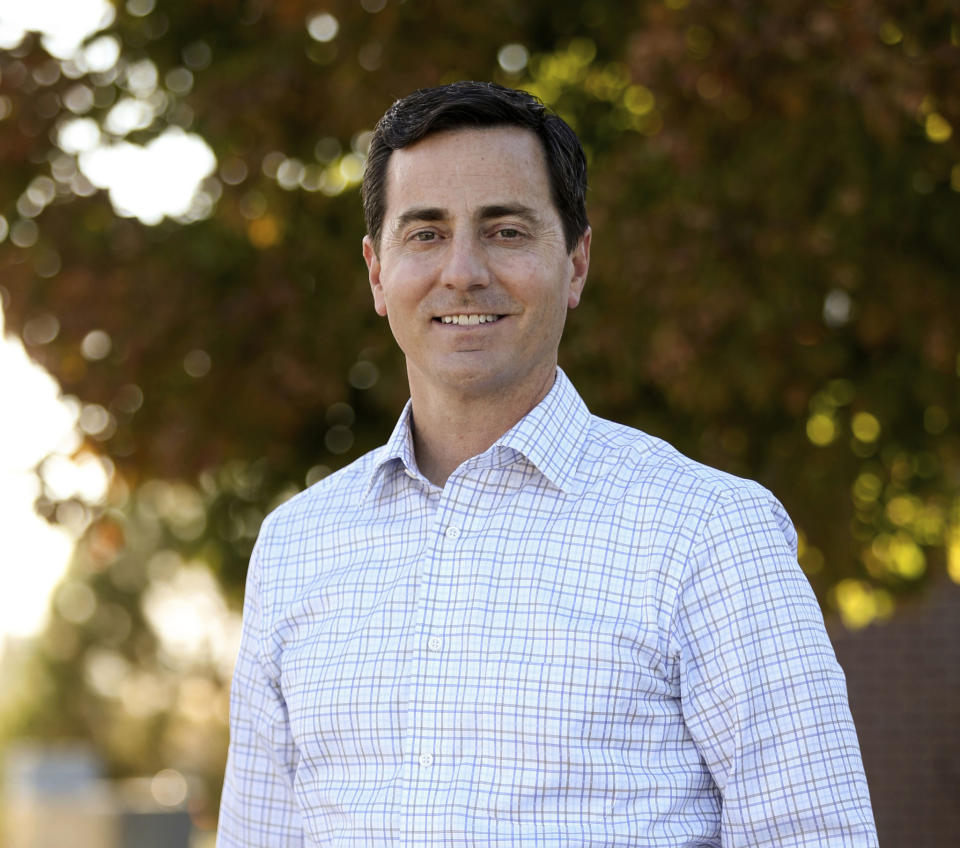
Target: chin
475	380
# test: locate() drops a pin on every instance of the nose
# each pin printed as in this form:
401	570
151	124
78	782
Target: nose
464	264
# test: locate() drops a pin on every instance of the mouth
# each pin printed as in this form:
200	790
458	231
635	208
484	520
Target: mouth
469	319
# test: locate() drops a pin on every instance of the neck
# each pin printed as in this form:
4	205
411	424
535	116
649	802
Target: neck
449	429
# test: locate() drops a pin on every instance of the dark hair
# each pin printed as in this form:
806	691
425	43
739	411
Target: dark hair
463	105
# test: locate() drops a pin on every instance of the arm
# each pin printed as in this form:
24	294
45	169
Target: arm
258	807
763	695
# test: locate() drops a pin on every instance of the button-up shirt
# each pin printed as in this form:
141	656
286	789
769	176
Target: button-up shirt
583	639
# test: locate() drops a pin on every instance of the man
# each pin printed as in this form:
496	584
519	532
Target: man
517	624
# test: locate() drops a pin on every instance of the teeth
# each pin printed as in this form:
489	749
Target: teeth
468	319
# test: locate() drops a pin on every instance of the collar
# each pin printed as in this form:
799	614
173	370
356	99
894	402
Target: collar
399	447
550	437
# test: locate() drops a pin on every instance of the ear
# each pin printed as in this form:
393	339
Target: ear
580	258
373	272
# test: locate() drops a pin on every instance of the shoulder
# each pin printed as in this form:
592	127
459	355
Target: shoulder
623	458
342	489
290	546
669	492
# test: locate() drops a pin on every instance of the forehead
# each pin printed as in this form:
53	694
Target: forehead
468	167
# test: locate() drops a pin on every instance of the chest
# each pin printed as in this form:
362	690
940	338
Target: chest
508	583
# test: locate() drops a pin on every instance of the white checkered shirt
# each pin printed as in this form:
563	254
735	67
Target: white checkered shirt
582	639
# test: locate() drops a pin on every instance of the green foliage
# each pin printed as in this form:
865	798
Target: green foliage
775	195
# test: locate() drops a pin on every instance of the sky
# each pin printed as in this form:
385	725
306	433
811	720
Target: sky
148	182
36	422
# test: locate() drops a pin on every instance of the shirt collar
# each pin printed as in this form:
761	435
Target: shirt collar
550	437
398	447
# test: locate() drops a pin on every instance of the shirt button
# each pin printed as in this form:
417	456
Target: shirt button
426	759
434	643
452	532
409	474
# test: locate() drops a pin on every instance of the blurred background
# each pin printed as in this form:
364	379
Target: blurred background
189	338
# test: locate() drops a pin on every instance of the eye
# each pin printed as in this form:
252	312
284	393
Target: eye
424	235
509	233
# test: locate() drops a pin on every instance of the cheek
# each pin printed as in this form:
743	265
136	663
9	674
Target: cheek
400	331
407	281
396	295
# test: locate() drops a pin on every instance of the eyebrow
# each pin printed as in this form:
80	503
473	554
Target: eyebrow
427	213
505	210
497	210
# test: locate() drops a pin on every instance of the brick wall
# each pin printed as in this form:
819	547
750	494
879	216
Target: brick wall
904	682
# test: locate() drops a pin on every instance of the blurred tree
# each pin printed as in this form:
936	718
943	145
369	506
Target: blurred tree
775	195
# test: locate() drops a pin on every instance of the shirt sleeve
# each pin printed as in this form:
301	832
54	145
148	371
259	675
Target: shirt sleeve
258	806
762	693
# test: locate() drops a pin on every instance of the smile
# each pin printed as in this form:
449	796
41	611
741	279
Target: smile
468	319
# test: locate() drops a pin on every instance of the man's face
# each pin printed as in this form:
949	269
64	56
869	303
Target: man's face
472	271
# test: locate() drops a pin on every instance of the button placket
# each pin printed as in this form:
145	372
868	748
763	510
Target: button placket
438	559
418	732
